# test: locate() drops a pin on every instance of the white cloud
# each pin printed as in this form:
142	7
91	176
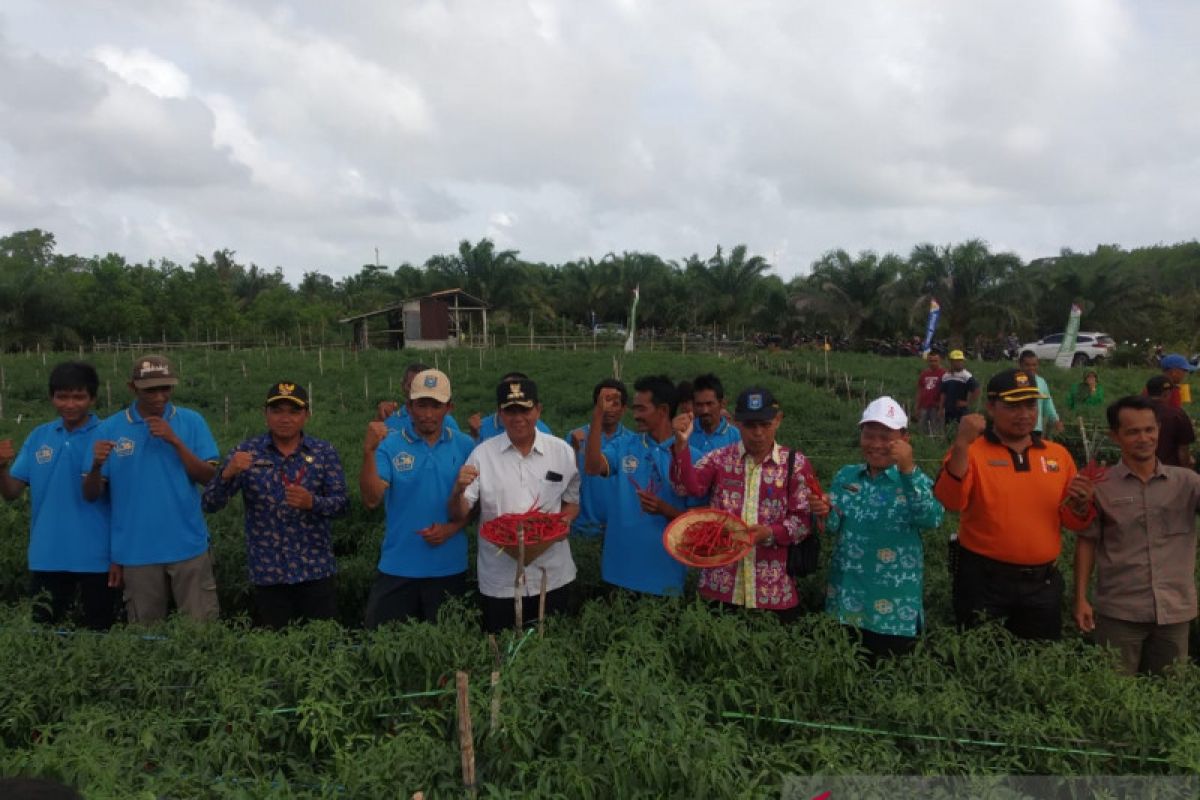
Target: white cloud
306	134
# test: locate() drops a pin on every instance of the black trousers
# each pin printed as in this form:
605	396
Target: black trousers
396	599
99	602
1027	599
880	645
280	605
499	612
784	615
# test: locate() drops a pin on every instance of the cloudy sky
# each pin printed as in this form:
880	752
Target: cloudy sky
307	134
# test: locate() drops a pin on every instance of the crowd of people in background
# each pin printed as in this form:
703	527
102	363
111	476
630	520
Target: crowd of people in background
119	505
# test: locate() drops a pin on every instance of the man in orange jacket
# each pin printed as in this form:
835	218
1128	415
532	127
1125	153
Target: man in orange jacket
1014	492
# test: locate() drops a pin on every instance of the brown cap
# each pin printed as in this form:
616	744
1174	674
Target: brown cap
432	384
151	371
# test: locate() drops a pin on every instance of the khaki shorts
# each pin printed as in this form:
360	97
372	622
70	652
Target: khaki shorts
191	583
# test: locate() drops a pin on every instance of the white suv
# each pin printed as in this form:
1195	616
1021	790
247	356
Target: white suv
1090	347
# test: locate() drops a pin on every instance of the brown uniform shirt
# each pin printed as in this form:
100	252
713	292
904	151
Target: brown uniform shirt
1146	545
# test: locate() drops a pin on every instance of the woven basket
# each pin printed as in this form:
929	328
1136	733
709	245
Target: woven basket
532	551
674	538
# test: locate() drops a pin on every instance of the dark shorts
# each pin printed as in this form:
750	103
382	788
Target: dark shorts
499	613
58	590
282	604
396	599
1028	600
880	645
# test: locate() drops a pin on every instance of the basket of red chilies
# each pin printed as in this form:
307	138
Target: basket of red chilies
539	528
707	537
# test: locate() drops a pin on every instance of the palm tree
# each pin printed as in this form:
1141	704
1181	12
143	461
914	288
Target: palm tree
980	292
852	295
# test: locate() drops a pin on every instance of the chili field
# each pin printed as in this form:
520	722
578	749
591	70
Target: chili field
623	698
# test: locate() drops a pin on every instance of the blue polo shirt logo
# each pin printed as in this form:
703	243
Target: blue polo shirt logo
124	446
404	462
629	464
44	454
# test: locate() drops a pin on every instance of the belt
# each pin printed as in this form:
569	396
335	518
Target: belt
1028	572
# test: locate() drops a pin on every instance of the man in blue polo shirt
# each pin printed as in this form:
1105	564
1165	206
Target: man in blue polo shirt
595	491
68	537
491	426
643	499
152	457
412	472
708	405
395	415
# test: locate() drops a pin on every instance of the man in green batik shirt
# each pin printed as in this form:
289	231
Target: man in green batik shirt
879	508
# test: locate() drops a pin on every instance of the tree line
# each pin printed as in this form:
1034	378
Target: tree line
55	300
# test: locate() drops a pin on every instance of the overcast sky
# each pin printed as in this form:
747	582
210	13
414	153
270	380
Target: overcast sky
305	135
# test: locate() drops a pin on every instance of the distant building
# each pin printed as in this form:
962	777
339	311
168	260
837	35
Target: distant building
448	318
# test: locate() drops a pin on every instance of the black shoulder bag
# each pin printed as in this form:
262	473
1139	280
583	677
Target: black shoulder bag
804	558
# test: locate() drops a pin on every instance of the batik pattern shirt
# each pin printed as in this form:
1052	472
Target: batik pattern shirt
877	574
285	545
759	495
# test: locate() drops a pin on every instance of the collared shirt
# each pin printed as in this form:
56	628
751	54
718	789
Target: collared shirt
156	516
491	427
595	491
1011	504
877	574
929	388
285	545
420	479
1047	413
66	532
704	442
512	483
1145	536
634	557
758	494
957	386
400	419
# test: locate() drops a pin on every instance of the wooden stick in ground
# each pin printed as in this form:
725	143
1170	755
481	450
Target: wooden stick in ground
466	741
518	594
495	682
542	607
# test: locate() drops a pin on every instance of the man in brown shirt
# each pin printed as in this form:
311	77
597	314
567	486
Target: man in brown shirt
1143	545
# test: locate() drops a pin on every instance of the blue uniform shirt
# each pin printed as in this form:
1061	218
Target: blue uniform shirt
490	426
285	545
402	419
156	516
705	443
595	491
634	556
420	479
67	533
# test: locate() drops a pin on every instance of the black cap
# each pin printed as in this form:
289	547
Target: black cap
1014	386
1158	386
285	392
756	404
522	393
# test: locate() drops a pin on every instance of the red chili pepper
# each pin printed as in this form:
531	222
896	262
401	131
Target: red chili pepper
814	488
1094	472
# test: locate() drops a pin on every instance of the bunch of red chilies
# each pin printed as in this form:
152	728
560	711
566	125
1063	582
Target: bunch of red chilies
539	527
814	489
1094	472
708	538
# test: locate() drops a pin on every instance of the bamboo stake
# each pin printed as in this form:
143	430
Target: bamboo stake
466	741
107	394
226	409
495	722
518	597
542	607
1087	446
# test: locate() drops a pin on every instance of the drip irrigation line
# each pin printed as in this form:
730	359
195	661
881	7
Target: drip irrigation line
930	737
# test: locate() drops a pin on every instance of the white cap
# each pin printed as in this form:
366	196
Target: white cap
887	412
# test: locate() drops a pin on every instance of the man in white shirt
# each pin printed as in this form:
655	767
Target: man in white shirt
510	474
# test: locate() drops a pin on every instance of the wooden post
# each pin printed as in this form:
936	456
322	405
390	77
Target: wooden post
107	394
518	595
321	360
466	740
542	607
495	723
226	409
310	398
